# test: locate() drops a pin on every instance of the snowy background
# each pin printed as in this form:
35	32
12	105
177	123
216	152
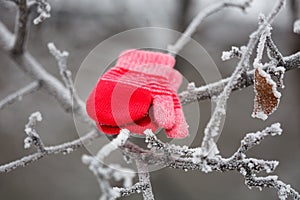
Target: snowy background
78	26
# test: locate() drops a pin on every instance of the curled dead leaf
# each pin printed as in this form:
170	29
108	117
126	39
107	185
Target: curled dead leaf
266	95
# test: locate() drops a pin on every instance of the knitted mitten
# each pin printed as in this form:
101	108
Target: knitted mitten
139	93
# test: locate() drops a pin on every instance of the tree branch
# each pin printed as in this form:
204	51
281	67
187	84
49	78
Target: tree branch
64	148
105	173
21	27
28	89
66	74
136	188
212	129
144	177
33	68
191	29
214	89
191	159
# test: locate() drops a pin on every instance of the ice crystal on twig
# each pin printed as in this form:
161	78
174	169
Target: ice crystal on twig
33	137
61	57
235	52
43	10
112	171
297	26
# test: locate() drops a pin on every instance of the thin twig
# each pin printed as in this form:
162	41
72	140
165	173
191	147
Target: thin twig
191	29
64	148
33	68
136	188
65	73
273	51
105	173
144	177
18	95
235	52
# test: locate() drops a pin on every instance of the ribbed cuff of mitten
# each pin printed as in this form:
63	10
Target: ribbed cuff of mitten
135	58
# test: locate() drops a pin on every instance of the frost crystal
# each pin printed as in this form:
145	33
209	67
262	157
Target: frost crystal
297	26
27	142
43	9
226	55
114	144
234	52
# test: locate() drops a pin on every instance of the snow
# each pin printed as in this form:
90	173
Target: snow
114	144
260	115
297	26
261	44
43	9
280	71
85	159
27	142
275	129
243	171
226	55
234	52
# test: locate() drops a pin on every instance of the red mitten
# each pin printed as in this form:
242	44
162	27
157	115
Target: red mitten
139	93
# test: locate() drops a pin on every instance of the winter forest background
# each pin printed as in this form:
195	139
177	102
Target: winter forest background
77	26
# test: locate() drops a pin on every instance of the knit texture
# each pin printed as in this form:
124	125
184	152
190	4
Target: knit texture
139	93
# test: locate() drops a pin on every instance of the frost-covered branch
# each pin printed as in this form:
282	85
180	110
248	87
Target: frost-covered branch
144	178
190	159
136	188
113	145
18	95
33	68
214	89
21	28
253	139
64	148
55	88
105	173
170	149
273	51
191	29
61	57
283	190
212	129
235	52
